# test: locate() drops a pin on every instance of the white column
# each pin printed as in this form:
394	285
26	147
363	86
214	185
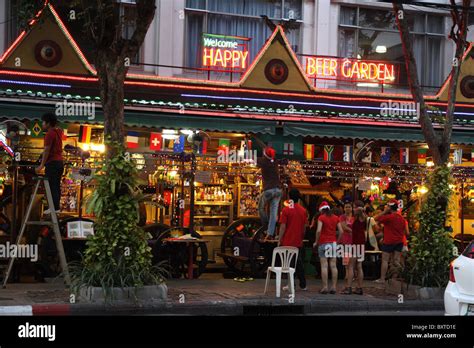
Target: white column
308	28
171	36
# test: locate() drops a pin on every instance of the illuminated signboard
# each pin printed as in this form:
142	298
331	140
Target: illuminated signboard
225	52
349	69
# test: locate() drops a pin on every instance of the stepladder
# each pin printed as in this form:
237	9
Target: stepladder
53	223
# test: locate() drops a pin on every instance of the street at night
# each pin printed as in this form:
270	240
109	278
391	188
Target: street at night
199	164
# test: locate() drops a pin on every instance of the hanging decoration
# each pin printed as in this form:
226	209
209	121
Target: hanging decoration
328	152
404	155
385	155
309	151
156	141
422	156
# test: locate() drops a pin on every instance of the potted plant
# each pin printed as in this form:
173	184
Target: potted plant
431	247
117	263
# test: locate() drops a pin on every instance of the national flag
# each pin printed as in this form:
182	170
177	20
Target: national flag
224	145
156	141
385	155
328	152
132	140
85	133
179	144
348	153
404	155
422	156
457	156
309	151
36	130
289	149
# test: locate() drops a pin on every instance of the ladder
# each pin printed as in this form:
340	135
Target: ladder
53	223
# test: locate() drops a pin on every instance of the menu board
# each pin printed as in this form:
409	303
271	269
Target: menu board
247	204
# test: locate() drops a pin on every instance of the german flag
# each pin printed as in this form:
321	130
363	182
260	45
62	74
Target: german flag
85	134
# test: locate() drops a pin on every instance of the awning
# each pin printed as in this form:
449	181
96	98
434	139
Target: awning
352	131
138	118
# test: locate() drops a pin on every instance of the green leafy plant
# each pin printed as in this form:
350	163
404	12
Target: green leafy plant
118	254
432	248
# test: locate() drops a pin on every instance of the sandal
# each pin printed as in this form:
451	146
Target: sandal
323	291
358	291
240	280
347	291
332	292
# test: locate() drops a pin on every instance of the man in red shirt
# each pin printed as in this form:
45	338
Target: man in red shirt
394	229
293	221
52	158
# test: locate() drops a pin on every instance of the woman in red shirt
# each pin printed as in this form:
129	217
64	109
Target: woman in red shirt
326	238
346	221
359	227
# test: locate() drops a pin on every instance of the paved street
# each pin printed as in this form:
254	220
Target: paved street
213	295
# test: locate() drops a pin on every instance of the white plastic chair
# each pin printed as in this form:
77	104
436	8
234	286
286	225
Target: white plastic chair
286	255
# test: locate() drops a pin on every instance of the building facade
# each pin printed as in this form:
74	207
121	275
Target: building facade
339	28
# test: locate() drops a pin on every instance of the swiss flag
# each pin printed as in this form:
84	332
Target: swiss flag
155	141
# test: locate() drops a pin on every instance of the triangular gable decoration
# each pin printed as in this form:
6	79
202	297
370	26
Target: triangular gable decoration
276	67
47	46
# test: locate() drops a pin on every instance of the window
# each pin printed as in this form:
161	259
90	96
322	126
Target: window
237	18
373	34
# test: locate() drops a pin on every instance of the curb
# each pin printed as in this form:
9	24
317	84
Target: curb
229	307
43	309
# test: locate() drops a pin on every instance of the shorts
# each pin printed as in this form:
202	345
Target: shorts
390	248
327	250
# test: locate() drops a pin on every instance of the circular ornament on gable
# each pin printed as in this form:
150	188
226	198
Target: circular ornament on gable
276	71
48	53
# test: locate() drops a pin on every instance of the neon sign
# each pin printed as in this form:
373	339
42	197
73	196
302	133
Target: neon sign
349	69
228	52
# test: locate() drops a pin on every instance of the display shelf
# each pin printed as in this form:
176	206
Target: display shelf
247	202
211	216
212	203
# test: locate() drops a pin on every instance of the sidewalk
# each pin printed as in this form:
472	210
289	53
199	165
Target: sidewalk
212	295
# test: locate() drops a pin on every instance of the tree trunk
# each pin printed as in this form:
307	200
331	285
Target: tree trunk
111	71
424	120
460	40
439	143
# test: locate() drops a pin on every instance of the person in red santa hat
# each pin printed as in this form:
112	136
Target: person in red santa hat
272	192
394	230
